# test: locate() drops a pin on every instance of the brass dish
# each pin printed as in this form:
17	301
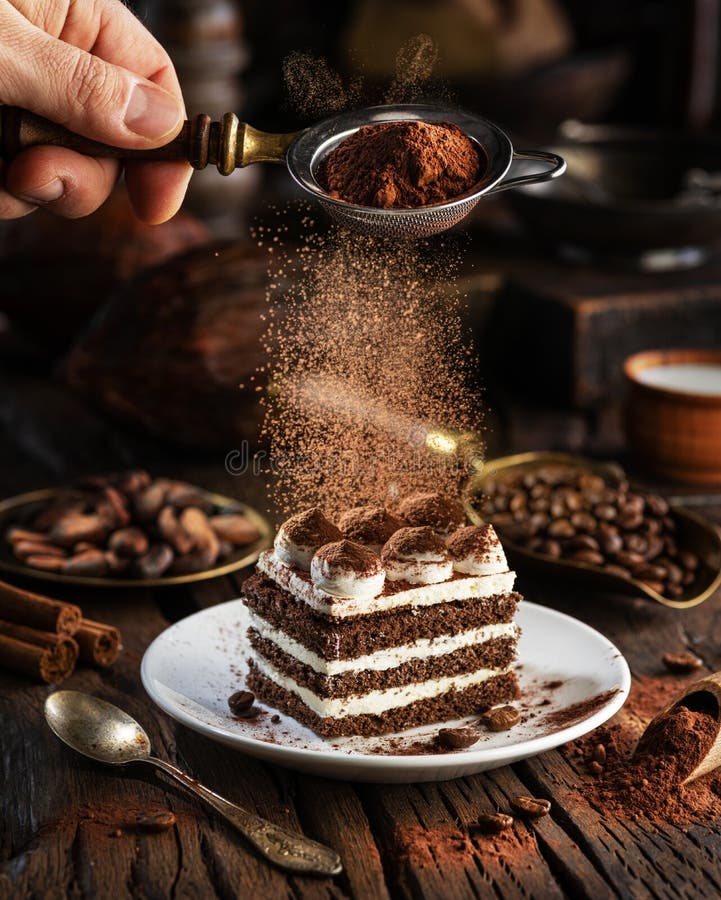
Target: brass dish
15	507
695	532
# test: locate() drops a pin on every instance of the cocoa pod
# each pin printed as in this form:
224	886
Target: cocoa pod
23	549
75	527
155	562
128	542
235	528
149	501
173	532
91	562
46	563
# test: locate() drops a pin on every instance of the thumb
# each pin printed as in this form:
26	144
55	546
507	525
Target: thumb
83	92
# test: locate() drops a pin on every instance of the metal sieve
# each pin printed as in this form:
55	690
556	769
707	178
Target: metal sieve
230	144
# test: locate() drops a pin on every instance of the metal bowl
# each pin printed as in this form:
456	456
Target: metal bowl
695	533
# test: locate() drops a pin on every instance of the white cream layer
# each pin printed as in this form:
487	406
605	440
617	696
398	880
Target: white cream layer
424	648
457	588
375	702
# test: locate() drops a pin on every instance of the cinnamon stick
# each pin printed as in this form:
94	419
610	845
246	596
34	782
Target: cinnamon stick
36	611
98	643
40	654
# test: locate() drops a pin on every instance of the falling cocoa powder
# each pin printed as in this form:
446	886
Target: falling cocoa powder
371	387
402	165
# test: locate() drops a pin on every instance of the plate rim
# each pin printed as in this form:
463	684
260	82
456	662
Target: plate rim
373	760
19	501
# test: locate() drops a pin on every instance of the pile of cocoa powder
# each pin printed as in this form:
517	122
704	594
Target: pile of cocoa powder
401	165
643	778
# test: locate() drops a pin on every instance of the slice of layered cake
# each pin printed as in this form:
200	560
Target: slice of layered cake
384	621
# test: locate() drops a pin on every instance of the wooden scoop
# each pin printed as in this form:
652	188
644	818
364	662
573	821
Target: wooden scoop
708	691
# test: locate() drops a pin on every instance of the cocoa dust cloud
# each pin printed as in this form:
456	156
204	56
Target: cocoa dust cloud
370	373
401	165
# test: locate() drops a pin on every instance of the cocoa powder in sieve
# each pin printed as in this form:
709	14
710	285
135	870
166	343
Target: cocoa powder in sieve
401	165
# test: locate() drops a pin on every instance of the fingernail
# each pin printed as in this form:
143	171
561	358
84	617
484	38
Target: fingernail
46	193
151	112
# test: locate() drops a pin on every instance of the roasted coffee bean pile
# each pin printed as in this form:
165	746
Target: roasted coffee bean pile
129	525
568	513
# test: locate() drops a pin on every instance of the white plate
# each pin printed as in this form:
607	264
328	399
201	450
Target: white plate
192	668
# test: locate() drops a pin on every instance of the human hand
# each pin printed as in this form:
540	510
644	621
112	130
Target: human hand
91	66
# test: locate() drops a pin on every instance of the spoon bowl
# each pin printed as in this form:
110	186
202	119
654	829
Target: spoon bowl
96	729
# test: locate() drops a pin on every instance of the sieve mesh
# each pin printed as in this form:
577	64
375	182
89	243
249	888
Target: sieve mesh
312	145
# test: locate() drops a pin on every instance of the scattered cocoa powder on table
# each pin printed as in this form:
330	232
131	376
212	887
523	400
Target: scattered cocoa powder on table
401	165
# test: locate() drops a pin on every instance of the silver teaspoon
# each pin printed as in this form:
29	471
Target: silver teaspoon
109	735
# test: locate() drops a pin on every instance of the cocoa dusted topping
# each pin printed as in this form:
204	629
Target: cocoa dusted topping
418	556
401	165
347	569
351	557
476	550
372	525
444	514
302	534
409	543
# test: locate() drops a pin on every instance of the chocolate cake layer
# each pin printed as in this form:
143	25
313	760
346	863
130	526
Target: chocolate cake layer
497	653
451	705
359	635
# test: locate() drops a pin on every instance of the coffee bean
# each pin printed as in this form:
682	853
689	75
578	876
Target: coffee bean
500	504
650	527
501	718
634	503
275	718
630	520
552	549
669	523
535	545
589	557
561	528
539	521
629	560
583	521
688	560
241	702
457	738
529	481
530	807
654	548
491	823
670	546
539	491
688	578
636	543
616	570
605	511
650	572
158	821
541	505
591	484
582	542
656	505
610	541
674	591
681	663
517	502
674	574
599	754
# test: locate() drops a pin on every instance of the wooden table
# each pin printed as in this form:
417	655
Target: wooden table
60	813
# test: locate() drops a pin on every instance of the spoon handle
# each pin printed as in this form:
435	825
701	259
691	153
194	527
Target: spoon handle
286	849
